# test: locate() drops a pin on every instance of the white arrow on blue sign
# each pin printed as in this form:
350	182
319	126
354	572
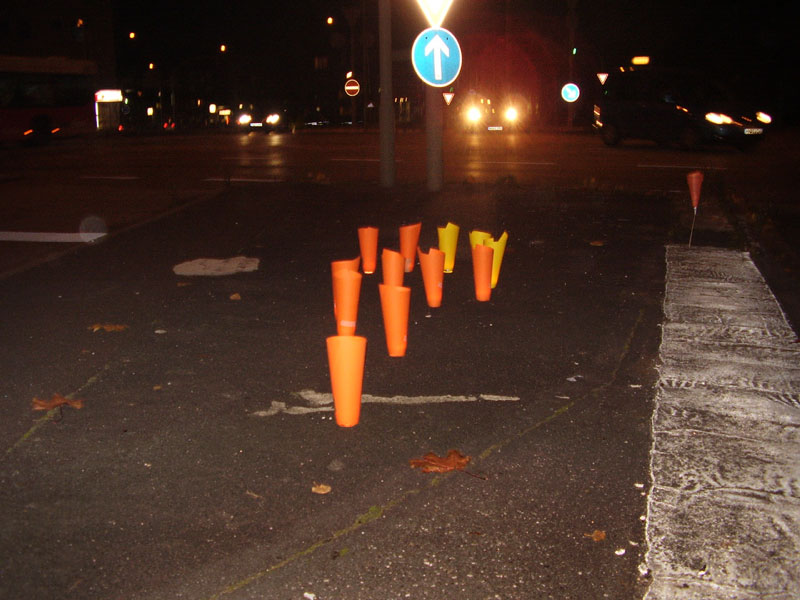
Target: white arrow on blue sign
436	57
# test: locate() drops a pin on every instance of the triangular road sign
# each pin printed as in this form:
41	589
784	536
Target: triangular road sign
448	97
435	10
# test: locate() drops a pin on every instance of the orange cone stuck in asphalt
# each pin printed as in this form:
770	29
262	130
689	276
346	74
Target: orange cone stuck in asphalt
395	303
346	291
482	271
432	266
695	181
409	238
499	247
368	243
346	354
392	265
448	241
347	265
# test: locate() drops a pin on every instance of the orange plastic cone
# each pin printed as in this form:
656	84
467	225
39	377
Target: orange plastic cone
482	271
368	242
499	247
478	237
346	290
448	241
346	354
409	238
347	265
432	266
695	181
395	303
392	265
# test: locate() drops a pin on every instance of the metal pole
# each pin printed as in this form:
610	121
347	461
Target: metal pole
434	117
386	115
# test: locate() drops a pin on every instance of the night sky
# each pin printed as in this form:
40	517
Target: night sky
749	43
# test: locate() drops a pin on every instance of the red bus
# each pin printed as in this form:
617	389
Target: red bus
45	97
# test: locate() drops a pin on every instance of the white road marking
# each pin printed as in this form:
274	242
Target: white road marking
323	402
723	516
48	236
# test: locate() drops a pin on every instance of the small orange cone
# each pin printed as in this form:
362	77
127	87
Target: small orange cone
499	247
409	238
368	242
448	241
395	303
432	266
346	354
478	237
392	265
695	181
482	271
346	290
347	265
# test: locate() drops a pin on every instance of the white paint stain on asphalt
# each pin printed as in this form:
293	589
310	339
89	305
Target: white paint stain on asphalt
315	402
49	236
724	510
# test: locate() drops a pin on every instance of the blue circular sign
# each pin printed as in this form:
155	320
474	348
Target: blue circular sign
436	57
570	92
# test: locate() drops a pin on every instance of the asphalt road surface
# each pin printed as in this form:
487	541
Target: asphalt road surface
188	470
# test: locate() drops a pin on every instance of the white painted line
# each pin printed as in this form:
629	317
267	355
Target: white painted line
323	402
112	177
47	236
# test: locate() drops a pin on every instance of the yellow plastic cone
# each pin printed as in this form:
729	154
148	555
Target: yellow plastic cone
448	241
499	247
346	354
478	237
409	238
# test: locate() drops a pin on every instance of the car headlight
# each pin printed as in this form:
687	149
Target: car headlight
473	114
511	114
244	119
718	118
764	117
273	119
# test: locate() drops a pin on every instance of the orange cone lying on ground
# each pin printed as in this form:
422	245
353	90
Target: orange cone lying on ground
395	303
346	354
392	265
346	291
499	247
482	272
368	243
409	238
432	266
448	241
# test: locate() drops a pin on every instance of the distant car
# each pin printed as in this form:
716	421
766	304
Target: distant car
273	121
483	114
674	106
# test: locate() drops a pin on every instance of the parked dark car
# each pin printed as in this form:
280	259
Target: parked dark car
674	106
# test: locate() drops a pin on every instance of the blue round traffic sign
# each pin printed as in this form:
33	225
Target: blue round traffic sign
570	92
436	57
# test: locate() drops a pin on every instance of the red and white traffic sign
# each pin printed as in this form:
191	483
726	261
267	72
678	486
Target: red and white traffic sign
352	87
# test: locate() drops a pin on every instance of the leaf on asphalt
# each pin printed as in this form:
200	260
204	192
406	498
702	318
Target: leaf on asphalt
107	327
598	535
236	296
321	488
597	243
56	401
431	463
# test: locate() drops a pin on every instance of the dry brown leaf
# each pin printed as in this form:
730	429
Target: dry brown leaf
598	535
321	488
236	296
430	463
108	327
597	243
56	401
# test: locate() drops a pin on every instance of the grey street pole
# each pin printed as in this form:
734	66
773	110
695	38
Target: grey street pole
434	124
386	115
